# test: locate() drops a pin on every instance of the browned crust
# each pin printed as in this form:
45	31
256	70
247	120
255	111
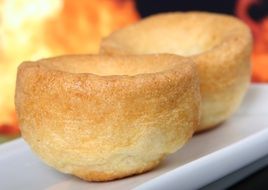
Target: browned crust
101	128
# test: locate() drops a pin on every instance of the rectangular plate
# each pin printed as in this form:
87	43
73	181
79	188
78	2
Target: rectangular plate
207	157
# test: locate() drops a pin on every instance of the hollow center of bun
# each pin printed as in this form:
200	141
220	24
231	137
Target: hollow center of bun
181	34
112	65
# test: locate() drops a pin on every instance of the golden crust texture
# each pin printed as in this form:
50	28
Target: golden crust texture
107	117
220	45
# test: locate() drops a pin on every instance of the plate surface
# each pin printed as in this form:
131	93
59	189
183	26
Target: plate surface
207	157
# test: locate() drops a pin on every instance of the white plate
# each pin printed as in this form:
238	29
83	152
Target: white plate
207	157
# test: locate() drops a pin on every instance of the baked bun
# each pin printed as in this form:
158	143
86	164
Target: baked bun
220	45
107	117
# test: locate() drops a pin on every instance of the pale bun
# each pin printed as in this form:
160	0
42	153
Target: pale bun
220	45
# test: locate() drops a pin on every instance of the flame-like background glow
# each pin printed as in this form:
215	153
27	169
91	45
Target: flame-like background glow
34	29
260	33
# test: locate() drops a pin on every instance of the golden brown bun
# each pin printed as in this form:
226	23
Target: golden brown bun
219	44
107	117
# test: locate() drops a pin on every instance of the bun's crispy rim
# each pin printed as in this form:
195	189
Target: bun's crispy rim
107	117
